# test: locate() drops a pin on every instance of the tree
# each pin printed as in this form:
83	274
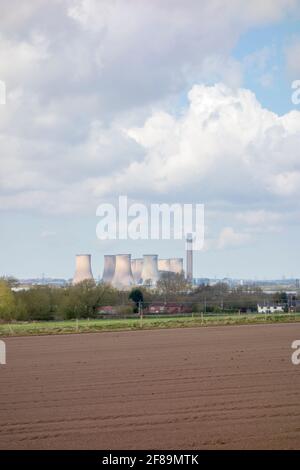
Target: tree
83	299
7	301
136	295
280	298
170	285
11	281
39	303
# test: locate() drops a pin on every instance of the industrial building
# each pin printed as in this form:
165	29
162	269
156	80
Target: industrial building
176	265
164	265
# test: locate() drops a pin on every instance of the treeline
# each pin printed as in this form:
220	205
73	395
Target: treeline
215	298
220	297
85	299
51	303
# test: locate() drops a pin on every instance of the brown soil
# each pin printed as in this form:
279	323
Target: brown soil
217	387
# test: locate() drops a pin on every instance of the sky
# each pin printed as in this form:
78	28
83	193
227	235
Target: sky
161	101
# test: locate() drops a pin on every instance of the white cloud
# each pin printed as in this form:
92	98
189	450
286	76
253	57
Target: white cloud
223	147
87	95
225	138
229	238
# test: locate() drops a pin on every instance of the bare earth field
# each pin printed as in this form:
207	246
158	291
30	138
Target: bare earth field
198	388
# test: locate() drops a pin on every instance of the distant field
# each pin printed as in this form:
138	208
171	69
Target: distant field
90	326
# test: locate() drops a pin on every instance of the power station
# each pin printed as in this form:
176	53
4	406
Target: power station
122	272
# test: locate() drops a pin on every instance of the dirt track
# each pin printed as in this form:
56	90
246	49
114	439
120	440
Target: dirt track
222	387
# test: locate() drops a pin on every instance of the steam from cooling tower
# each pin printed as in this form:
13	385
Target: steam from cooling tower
176	265
83	271
137	267
109	268
123	278
150	272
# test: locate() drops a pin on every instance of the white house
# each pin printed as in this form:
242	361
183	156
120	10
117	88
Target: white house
270	308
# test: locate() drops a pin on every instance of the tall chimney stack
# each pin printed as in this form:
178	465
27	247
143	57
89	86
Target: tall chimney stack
189	257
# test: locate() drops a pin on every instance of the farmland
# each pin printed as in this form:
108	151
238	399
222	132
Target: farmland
187	388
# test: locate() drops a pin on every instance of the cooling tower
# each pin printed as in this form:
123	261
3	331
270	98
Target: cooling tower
83	271
136	267
164	265
150	272
176	265
189	257
123	275
109	268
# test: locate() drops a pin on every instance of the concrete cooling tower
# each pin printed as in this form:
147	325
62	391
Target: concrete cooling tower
164	265
109	268
176	265
83	271
136	267
150	272
123	275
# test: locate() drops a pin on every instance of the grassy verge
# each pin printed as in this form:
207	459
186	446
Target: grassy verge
89	326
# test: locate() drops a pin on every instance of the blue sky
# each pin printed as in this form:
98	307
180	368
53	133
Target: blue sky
97	106
278	37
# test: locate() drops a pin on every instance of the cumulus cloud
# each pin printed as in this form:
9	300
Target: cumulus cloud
223	146
88	104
